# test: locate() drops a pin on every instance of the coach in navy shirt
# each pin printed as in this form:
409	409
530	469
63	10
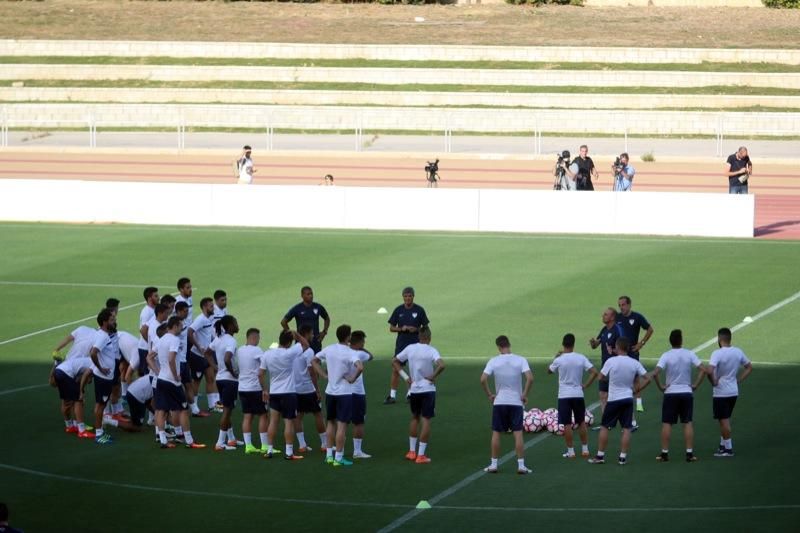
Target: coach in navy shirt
406	320
606	340
632	323
308	312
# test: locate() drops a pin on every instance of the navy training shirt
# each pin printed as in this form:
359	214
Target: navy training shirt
308	315
608	339
402	316
632	325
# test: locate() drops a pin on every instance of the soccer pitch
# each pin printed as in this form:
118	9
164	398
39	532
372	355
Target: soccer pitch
474	287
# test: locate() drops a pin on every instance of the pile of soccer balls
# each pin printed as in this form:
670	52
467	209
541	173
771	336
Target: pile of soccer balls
537	420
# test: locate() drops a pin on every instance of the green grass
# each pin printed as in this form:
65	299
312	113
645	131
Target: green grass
474	287
409	87
379	63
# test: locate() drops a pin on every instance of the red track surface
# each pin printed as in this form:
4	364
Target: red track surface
776	187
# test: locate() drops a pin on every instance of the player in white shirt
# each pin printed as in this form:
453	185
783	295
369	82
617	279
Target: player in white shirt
357	341
253	393
81	339
220	305
224	348
103	355
624	376
245	167
570	367
280	363
344	367
425	365
678	402
201	333
723	372
169	393
129	348
507	400
185	295
67	376
308	396
151	299
160	315
139	397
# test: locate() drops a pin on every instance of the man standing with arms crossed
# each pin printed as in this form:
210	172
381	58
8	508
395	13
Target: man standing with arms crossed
405	320
507	369
571	404
678	393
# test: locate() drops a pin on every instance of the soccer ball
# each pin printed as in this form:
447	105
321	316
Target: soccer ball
528	422
559	429
550	415
589	417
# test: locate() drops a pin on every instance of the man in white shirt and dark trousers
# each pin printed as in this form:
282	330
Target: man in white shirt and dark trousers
623	375
357	340
308	397
253	394
723	372
678	393
571	366
425	365
507	400
103	354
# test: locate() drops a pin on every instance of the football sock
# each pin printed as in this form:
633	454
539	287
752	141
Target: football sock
269	447
357	445
189	439
99	432
68	423
689	451
721	441
162	436
301	439
393	393
339	455
195	409
248	439
601	454
638	402
623	455
231	434
728	444
213	397
493	464
222	436
323	439
423	446
81	427
585	448
178	430
570	451
289	450
124	388
264	439
667	451
111	422
328	452
520	464
412	444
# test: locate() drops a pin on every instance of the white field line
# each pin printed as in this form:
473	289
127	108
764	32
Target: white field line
622	509
409	515
67	284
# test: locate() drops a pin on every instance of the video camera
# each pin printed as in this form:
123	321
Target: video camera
619	166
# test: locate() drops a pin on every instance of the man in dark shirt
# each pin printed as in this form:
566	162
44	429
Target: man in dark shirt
406	320
606	340
308	312
738	171
4	527
632	323
586	170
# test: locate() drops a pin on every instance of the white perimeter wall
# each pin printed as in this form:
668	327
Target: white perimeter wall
497	210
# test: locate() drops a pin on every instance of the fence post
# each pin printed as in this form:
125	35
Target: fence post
720	126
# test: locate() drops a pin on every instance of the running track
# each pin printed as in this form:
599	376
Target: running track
777	187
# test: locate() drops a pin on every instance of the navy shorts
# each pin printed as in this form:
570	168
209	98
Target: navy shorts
308	403
602	385
359	410
677	406
186	373
339	408
117	374
506	418
68	388
143	369
422	404
102	389
723	407
252	403
618	411
285	404
138	410
169	397
569	408
228	390
198	365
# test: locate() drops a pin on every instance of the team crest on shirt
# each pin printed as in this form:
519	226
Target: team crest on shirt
183	405
316	311
631	321
105	398
414	315
609	335
198	374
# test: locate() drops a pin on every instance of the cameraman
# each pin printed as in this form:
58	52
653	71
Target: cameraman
739	170
565	173
586	170
623	173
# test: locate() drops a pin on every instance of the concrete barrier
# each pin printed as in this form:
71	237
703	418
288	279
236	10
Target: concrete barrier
482	210
422	76
15	47
394	98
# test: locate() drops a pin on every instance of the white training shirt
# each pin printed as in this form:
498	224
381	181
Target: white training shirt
621	371
152	335
279	362
726	362
107	351
141	389
302	377
129	347
145	315
166	344
82	338
249	358
203	327
184	338
421	359
74	367
678	364
358	384
218	313
221	346
570	367
190	316
245	165
507	369
340	360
